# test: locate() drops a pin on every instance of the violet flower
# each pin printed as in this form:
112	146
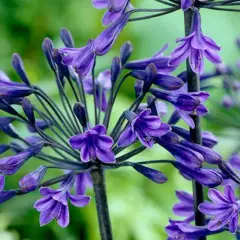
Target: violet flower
185	104
115	9
54	203
158	59
224	208
143	127
94	144
82	181
186	4
196	46
103	85
185	208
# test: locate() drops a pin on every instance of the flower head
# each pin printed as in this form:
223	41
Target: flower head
54	204
143	127
195	46
224	208
94	144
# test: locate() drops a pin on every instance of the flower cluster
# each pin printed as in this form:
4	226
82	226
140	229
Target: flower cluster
83	145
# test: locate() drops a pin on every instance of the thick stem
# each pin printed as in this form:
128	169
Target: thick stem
194	86
101	203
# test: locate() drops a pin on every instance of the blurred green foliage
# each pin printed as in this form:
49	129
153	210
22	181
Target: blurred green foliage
139	208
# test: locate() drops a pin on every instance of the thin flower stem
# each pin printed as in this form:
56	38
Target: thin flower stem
130	154
223	9
193	81
154	15
140	10
102	204
167	3
100	103
94	91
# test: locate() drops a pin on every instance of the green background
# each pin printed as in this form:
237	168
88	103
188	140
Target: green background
139	208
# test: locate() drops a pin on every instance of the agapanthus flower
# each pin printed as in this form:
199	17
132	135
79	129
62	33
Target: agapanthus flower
82	182
103	84
186	4
185	208
195	46
144	127
224	208
82	59
94	144
115	9
185	104
158	59
54	203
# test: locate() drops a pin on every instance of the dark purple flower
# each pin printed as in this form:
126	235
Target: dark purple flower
224	207
186	104
54	204
115	9
186	4
143	127
31	181
196	46
10	165
94	144
103	84
82	181
180	230
185	208
158	59
2	182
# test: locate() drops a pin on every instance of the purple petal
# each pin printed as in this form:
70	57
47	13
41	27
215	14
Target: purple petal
233	225
44	203
183	210
127	137
100	129
186	118
217	197
100	4
186	4
106	156
162	130
79	200
47	191
104	79
180	54
201	110
110	17
85	153
77	141
185	197
229	194
212	56
45	218
2	182
83	180
63	218
196	61
151	122
211	44
105	142
213	208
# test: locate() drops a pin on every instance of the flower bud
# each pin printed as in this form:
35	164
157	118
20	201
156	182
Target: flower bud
67	38
125	52
115	69
80	112
47	47
28	110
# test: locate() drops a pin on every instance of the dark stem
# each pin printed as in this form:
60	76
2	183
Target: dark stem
101	203
194	86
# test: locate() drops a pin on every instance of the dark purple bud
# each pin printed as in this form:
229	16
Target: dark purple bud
9	130
125	52
229	171
6	195
17	64
28	110
31	181
206	177
4	106
138	87
6	121
171	138
80	112
10	165
209	155
67	38
152	174
208	139
3	148
47	47
168	82
115	69
175	117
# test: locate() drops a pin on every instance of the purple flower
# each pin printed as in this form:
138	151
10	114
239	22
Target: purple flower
82	181
54	204
186	104
158	59
143	127
186	4
185	208
103	85
2	182
6	195
10	165
31	181
82	59
115	9
224	207
179	230
196	46
94	144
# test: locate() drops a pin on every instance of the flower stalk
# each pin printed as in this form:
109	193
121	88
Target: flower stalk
193	82
99	187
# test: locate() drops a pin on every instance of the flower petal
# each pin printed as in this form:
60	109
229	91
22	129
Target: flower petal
127	137
79	200
63	218
106	156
